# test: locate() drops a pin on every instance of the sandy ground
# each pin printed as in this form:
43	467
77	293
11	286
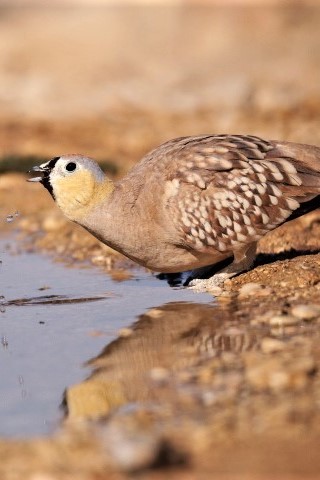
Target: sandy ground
241	400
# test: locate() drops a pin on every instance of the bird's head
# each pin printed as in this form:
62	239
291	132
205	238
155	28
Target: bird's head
76	183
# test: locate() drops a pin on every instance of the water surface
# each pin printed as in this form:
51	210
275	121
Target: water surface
44	345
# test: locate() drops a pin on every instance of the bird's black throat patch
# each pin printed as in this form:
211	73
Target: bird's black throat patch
46	175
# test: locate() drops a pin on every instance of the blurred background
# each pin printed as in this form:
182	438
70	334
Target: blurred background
114	79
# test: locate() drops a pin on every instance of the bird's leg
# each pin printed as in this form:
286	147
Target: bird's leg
242	261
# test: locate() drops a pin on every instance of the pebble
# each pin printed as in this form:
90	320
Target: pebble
306	312
252	288
271	345
215	290
53	223
278	374
280	330
129	447
98	260
283	320
249	289
209	398
28	225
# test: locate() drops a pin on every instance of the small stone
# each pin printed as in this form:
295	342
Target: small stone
263	319
278	373
283	320
249	289
130	449
98	260
306	312
53	223
271	345
215	290
209	398
28	225
280	330
279	380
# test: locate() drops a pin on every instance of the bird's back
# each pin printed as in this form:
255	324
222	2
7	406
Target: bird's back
220	191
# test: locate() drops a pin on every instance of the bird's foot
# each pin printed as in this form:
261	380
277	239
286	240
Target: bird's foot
243	260
213	284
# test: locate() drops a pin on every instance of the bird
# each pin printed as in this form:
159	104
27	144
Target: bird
192	202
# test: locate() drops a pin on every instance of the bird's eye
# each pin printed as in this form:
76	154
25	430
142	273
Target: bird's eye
71	166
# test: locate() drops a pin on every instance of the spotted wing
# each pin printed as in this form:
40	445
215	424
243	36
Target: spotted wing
231	190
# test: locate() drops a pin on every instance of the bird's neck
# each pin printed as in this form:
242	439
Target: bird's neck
78	204
116	219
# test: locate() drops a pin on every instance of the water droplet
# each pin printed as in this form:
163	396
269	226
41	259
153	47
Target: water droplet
11	217
2	306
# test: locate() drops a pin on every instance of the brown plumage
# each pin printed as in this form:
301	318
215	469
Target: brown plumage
193	201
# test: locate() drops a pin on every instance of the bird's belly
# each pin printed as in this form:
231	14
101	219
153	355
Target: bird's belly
179	260
164	256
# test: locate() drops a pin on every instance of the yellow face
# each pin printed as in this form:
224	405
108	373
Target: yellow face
76	183
75	192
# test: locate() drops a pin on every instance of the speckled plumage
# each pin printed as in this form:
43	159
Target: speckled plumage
195	201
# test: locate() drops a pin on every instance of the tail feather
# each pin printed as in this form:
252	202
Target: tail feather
306	158
305	207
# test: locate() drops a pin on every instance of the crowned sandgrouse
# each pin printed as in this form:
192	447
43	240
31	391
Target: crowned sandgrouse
191	202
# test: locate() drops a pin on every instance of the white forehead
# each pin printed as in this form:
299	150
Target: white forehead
56	164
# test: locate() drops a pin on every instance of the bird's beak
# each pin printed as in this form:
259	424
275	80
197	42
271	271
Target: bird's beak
43	169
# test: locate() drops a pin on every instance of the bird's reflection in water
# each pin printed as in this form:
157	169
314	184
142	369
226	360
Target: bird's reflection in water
168	338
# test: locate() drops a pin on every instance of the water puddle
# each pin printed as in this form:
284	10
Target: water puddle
164	341
47	337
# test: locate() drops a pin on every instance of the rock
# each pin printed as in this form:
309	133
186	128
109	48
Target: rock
130	447
271	345
217	291
306	312
283	320
98	260
278	373
250	289
53	223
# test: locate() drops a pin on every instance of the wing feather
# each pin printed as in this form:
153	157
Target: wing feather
232	189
